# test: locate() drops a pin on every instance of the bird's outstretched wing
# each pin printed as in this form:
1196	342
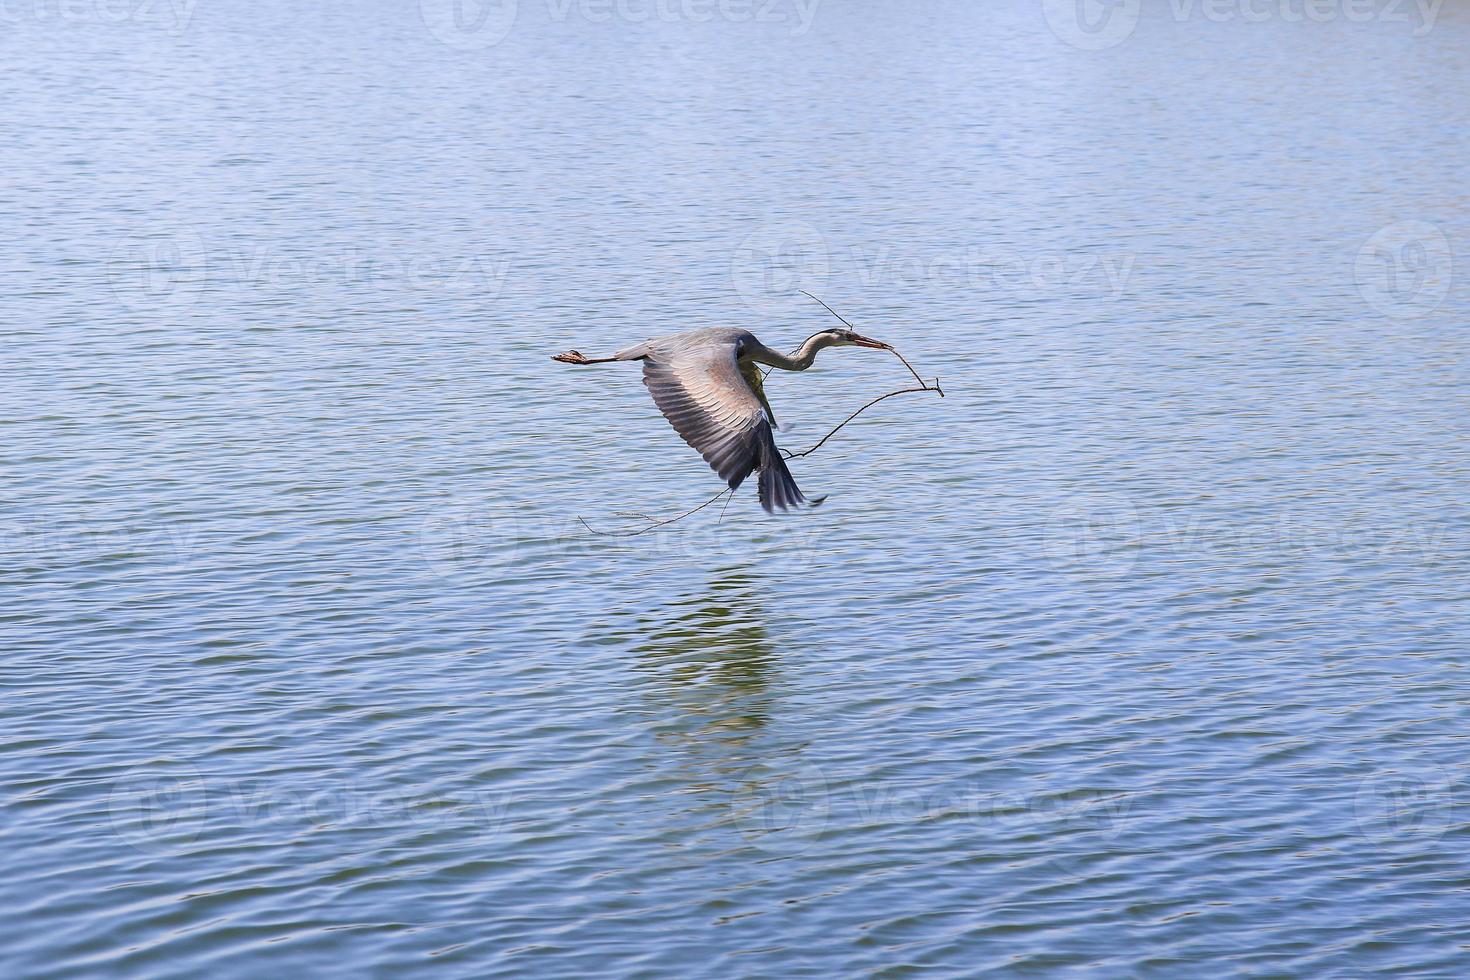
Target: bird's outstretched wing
702	392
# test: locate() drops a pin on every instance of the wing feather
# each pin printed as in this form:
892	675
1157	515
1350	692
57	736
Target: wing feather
718	406
705	396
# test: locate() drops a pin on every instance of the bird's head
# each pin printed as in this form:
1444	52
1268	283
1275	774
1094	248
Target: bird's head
849	338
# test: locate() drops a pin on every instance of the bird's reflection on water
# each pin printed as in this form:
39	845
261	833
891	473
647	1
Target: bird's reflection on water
712	662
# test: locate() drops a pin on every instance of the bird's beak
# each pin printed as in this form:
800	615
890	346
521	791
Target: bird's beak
862	341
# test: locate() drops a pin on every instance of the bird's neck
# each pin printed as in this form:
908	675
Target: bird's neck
799	361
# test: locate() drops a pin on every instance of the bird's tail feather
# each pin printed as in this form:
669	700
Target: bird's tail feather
778	489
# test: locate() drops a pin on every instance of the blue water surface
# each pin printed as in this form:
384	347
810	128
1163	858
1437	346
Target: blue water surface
1141	652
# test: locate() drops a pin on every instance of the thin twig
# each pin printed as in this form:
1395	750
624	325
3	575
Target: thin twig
927	385
931	385
833	312
901	391
655	524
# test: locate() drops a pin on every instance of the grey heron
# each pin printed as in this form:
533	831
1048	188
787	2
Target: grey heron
707	383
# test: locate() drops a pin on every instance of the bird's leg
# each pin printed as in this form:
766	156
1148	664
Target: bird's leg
577	357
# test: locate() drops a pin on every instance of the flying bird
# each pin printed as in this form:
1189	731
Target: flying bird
708	385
